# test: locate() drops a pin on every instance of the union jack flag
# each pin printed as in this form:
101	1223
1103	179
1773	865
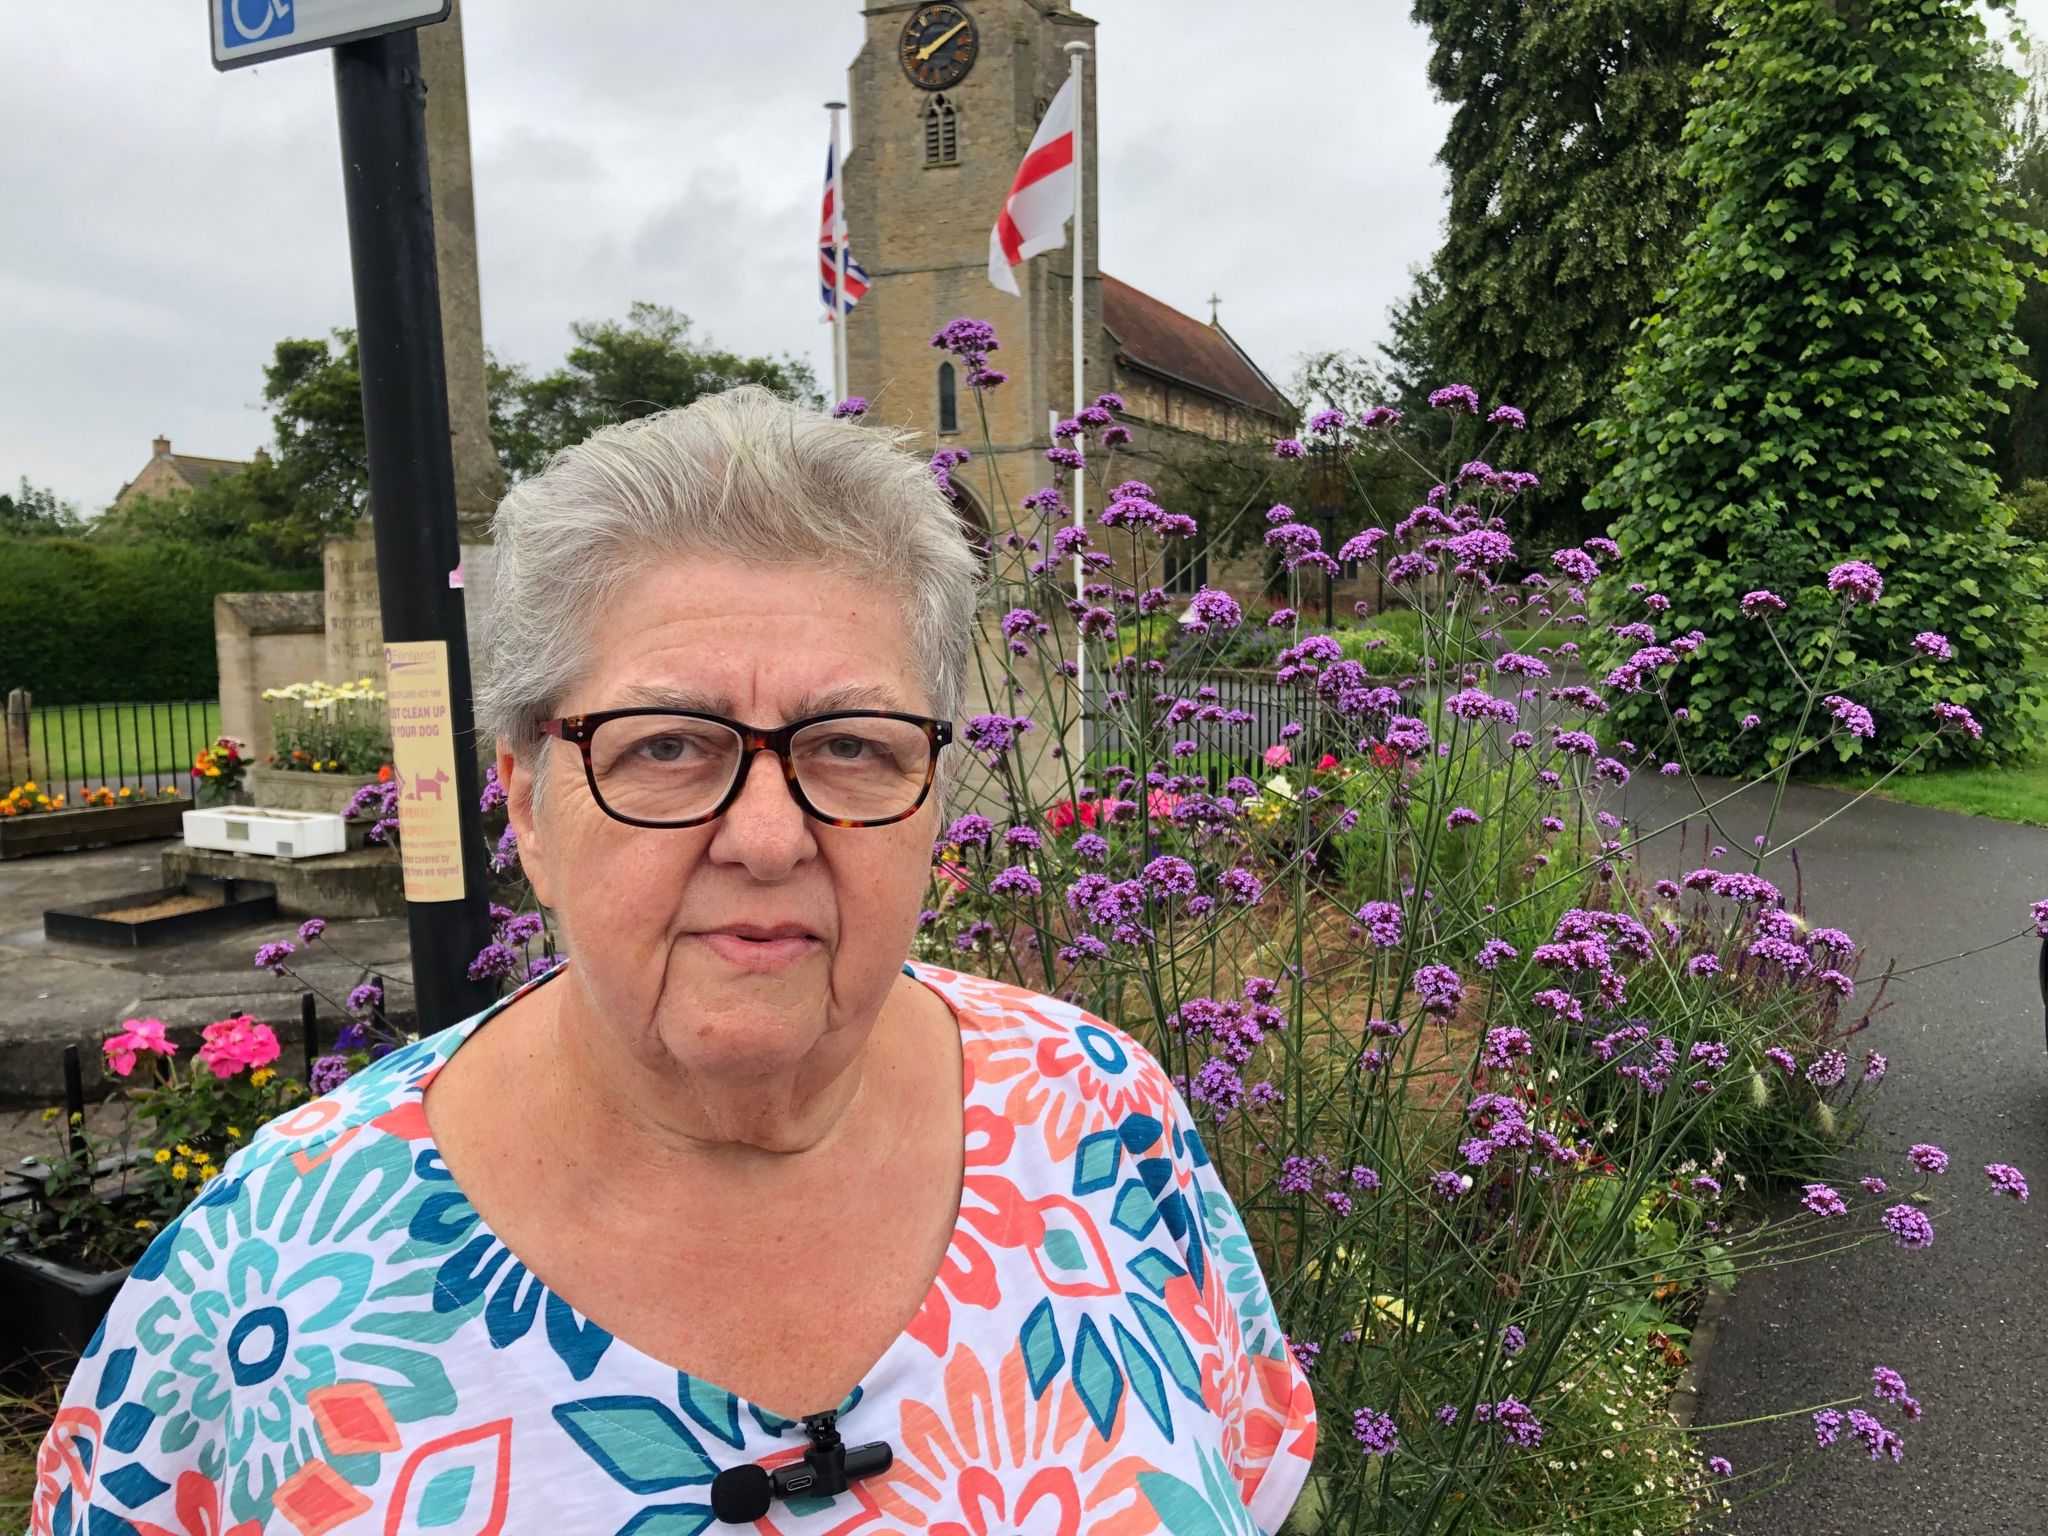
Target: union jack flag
832	230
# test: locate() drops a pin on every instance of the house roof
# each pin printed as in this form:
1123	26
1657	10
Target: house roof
1159	339
195	471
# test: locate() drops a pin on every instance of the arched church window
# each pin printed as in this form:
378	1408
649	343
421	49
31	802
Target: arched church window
941	132
949	399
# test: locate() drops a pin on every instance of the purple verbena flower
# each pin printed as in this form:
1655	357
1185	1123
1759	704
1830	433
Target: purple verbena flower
272	957
853	407
329	1073
1927	1157
1857	581
1929	643
1375	1431
1888	1386
1823	1200
2007	1180
1909	1225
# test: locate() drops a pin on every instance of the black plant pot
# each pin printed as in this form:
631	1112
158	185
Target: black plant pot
48	1314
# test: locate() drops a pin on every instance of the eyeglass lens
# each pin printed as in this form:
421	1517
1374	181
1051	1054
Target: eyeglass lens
671	768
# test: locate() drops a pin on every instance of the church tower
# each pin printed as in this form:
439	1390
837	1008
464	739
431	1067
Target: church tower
944	98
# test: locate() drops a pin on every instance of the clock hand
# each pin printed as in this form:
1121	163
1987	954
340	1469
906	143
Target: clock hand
940	41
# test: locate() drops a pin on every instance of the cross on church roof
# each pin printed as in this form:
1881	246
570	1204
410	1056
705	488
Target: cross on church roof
1214	300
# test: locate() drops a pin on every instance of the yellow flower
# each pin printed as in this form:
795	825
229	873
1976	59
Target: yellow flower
51	1113
316	767
212	773
144	1225
177	1170
163	1154
202	1157
260	1076
234	1134
126	791
30	786
78	1119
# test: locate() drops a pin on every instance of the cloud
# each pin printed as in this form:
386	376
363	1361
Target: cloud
169	223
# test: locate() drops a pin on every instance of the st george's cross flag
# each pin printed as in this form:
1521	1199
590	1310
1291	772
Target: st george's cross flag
832	231
1041	200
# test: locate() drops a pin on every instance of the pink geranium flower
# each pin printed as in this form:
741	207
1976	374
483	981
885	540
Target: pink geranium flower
1279	755
138	1037
235	1044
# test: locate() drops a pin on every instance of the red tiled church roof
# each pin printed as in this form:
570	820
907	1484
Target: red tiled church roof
1159	339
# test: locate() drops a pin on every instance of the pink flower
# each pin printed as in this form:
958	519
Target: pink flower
234	1044
138	1037
1279	755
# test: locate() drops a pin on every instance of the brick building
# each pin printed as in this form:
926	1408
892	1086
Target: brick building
931	162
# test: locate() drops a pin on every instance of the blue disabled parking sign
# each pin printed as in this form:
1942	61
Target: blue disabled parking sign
243	22
252	31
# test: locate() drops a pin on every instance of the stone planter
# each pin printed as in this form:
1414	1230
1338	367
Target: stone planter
284	789
92	826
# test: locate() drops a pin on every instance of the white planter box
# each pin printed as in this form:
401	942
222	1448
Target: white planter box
275	834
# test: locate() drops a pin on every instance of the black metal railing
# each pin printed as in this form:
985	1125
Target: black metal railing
1255	709
143	746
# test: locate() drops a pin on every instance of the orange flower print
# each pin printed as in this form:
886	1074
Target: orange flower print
959	1460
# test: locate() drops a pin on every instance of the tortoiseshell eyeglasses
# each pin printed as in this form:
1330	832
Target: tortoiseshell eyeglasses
680	768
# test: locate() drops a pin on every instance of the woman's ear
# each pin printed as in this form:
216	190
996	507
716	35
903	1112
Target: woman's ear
522	808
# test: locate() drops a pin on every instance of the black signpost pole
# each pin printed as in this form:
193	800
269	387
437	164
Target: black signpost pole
382	102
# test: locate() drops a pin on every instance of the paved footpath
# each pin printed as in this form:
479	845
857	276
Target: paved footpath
1963	1321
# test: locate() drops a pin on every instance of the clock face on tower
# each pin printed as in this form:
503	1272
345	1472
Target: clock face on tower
938	46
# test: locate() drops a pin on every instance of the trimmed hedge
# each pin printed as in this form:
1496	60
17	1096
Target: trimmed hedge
84	623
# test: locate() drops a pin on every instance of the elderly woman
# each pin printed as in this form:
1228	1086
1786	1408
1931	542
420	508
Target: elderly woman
737	1217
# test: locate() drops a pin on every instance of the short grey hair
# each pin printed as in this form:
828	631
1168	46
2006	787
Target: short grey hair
744	475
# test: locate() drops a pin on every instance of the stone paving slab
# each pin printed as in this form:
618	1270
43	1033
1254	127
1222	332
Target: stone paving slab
54	992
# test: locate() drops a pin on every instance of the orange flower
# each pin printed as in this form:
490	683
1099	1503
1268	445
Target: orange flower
384	774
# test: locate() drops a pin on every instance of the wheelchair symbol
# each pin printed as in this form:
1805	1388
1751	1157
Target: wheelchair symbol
273	19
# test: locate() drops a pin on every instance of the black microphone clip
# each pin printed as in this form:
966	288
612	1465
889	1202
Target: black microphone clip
741	1495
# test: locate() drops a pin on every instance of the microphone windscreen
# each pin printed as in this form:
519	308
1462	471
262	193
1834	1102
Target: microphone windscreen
740	1495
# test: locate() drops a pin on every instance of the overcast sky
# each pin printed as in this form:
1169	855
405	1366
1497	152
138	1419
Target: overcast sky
164	224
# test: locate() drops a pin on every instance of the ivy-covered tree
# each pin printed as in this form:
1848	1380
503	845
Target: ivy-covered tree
2019	436
1818	388
1567	210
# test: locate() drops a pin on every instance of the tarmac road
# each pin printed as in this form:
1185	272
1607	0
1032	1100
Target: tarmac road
1963	1321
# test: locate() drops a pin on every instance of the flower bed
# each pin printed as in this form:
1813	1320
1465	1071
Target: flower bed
32	821
1492	1100
92	1206
324	727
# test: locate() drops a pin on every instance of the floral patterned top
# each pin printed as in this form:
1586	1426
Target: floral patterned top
331	1340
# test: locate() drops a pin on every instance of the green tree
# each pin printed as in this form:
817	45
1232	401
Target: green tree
254	515
620	371
1818	386
36	511
1567	209
315	394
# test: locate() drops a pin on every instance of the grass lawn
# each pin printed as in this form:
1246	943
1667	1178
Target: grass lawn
111	742
2018	793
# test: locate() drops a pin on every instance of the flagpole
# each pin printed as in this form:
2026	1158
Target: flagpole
839	380
1075	59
